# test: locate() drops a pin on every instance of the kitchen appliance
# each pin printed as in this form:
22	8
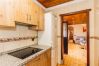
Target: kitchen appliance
24	53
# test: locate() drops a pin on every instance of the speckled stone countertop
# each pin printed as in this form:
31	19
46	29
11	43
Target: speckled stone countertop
8	60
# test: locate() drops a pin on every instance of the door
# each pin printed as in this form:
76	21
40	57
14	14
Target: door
65	37
20	10
6	13
33	15
2	13
41	19
86	18
35	62
17	10
25	11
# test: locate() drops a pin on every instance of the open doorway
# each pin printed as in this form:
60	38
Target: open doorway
75	38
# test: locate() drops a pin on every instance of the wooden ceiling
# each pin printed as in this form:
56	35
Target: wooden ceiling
50	3
80	18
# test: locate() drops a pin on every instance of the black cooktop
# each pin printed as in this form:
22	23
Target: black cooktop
24	53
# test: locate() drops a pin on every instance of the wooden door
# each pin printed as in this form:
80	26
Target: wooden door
6	13
47	58
42	60
9	13
19	10
34	16
35	62
25	11
41	19
2	13
29	11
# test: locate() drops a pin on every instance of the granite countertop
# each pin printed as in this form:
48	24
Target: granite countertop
8	60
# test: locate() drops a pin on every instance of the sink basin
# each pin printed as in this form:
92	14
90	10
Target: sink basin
24	53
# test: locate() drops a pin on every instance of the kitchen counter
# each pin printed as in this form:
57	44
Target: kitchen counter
8	60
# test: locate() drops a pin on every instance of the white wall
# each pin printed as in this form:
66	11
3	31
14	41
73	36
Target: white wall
19	31
45	37
86	4
78	30
49	36
97	32
65	29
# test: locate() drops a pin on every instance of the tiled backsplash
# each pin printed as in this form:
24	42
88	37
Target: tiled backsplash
16	38
3	40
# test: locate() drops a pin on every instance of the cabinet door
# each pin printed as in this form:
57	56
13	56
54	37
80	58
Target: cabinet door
9	13
42	60
20	9
41	19
30	12
2	13
6	13
35	62
48	58
17	11
25	11
33	13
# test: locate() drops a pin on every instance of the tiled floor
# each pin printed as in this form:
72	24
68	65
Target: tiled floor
76	56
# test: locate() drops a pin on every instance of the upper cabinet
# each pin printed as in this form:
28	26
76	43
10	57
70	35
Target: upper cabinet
18	11
25	12
32	14
6	13
38	17
41	19
21	11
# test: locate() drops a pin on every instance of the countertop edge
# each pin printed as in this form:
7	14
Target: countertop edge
26	60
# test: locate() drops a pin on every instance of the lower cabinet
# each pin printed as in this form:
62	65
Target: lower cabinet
42	60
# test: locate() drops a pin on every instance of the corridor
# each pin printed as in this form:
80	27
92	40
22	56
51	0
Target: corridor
76	56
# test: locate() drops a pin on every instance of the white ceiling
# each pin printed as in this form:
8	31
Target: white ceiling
57	6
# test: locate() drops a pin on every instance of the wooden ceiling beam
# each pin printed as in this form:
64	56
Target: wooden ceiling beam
50	3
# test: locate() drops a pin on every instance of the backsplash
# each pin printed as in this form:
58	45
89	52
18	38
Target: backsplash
3	40
17	38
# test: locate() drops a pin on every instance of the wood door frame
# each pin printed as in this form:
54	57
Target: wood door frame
88	32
